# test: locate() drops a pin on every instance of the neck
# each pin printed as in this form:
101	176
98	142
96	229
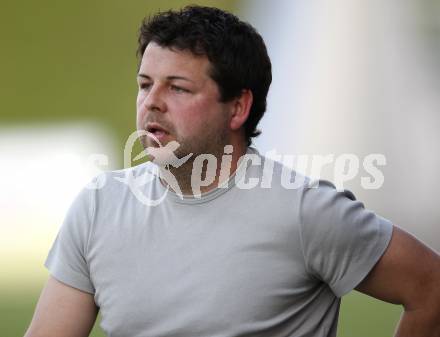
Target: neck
196	176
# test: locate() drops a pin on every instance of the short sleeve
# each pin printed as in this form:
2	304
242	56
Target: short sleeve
67	260
341	240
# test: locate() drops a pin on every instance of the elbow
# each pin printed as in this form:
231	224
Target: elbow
426	298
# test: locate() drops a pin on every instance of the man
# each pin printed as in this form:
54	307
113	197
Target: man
221	255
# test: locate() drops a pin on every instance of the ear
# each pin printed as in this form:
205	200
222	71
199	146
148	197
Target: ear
241	106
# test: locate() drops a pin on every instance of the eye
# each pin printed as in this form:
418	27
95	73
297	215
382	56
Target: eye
178	89
144	85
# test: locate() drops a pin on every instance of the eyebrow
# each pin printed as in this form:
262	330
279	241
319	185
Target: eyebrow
169	78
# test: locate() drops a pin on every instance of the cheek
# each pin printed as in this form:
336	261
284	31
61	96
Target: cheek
139	101
191	120
140	111
138	122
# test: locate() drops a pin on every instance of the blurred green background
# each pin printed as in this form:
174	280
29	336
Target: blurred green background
74	62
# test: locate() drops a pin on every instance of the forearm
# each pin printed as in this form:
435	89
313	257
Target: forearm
423	322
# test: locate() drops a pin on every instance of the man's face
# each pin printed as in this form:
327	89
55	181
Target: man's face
177	100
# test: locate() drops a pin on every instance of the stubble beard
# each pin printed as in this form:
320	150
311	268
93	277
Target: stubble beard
213	143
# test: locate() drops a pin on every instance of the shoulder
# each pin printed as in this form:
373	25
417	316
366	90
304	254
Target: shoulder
274	174
108	189
118	179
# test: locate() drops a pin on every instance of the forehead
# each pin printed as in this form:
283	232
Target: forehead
168	62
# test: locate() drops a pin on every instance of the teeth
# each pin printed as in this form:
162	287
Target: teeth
156	131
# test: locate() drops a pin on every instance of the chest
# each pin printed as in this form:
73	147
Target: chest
201	273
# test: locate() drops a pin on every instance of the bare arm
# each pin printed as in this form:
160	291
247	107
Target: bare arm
62	311
409	274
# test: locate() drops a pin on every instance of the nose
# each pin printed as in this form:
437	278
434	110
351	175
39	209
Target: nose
154	99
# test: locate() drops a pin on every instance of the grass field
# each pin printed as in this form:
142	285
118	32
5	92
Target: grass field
361	316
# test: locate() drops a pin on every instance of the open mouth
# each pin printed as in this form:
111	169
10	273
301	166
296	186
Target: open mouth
156	131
